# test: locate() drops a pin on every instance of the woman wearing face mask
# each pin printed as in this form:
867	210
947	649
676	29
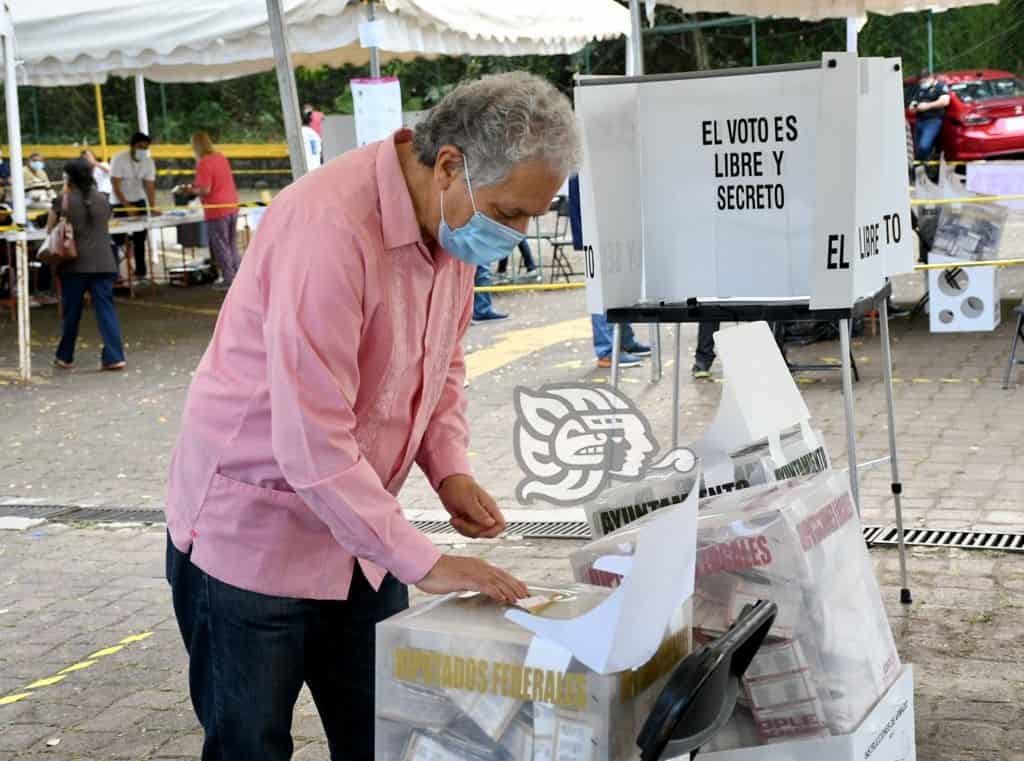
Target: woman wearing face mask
133	177
93	270
215	185
39	190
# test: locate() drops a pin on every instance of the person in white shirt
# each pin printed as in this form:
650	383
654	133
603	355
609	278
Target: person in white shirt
312	143
133	178
100	174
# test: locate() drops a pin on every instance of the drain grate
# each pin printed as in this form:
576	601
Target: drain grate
886	536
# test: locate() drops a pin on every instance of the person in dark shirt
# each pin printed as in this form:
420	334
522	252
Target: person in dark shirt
929	106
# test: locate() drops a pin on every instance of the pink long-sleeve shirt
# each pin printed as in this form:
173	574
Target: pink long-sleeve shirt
335	365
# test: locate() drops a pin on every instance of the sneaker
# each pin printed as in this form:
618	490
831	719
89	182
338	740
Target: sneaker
625	360
500	278
219	287
638	350
115	366
489	317
60	363
531	276
701	370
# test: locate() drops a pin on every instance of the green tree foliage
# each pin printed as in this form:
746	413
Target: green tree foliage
248	109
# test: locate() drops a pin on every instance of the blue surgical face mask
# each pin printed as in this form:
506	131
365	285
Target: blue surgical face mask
482	240
37	166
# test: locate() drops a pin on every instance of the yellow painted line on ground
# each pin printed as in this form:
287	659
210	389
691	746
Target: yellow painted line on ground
46	682
60	676
77	667
107	651
528	287
516	344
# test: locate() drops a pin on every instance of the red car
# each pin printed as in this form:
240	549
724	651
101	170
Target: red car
985	117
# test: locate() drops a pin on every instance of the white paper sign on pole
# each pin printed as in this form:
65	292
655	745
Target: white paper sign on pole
613	222
378	108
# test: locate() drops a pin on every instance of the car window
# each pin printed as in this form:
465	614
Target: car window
987	89
908	93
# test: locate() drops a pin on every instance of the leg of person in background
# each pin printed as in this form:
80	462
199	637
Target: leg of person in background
927	133
501	276
224	248
483	308
631	345
73	289
603	335
532	274
102	289
139	252
704	357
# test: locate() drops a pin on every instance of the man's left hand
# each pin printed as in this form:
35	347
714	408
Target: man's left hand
474	512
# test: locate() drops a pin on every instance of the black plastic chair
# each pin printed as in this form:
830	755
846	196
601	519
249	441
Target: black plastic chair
700	696
1018	334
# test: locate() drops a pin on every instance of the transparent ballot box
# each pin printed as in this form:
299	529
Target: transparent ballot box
454	681
830	654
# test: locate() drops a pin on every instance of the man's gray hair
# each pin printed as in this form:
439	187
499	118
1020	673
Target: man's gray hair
500	121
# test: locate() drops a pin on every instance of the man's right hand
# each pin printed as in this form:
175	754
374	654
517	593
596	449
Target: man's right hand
455	573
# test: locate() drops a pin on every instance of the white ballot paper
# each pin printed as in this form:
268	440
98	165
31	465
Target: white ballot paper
759	401
626	630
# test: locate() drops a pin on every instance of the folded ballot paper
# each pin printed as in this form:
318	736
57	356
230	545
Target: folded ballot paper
567	675
830	654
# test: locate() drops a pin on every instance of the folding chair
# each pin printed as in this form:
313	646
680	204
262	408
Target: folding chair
700	696
1017	335
562	242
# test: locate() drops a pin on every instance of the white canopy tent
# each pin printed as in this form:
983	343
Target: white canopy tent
66	42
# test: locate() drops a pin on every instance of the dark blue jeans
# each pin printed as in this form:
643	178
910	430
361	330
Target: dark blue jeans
101	287
482	301
927	132
249	655
603	333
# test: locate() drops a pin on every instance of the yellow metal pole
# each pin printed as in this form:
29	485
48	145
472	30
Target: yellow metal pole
102	124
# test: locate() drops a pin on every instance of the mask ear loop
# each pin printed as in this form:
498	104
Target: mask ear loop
469	185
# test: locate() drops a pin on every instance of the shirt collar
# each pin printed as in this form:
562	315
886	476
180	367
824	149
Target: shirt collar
397	214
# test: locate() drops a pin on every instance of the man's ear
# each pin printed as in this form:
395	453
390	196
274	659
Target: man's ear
448	166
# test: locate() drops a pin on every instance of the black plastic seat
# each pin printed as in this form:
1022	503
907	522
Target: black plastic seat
700	696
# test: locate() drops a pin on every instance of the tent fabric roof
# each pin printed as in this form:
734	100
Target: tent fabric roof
814	10
65	42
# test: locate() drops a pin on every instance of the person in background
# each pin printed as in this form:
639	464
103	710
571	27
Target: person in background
215	186
5	179
929	106
483	307
316	119
100	173
311	141
632	349
38	188
532	274
704	356
93	270
133	177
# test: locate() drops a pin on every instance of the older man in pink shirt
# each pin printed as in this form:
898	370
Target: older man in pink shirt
335	366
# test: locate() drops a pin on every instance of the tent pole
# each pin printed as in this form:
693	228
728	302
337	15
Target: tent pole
140	103
851	34
17	192
374	52
635	42
287	88
102	124
931	42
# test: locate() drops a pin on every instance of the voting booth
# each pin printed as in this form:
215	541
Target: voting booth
765	183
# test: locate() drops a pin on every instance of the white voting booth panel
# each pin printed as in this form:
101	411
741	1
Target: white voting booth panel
781	182
963	301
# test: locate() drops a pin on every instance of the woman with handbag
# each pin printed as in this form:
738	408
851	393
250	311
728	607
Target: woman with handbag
79	245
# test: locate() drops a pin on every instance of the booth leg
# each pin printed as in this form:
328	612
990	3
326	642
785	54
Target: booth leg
655	338
851	432
616	352
677	377
897	487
